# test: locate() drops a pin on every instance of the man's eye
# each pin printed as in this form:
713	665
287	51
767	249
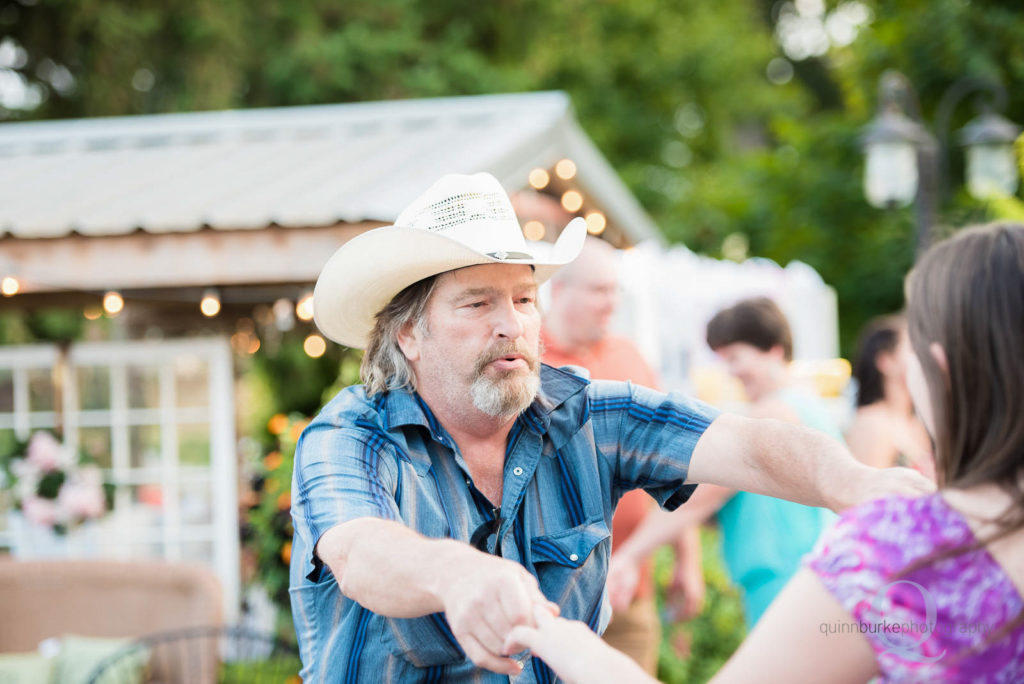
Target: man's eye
525	300
477	305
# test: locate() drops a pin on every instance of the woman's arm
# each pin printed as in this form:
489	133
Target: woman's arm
576	654
805	636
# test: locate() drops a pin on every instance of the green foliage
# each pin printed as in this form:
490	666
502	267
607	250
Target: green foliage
714	635
45	325
292	381
275	670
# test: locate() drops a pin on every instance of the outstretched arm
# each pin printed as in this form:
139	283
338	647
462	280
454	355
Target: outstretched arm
792	462
393	571
576	654
804	636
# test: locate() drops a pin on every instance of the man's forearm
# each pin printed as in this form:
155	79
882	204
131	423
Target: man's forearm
779	459
807	466
388	568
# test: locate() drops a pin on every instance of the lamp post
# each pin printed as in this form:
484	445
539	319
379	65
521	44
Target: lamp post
905	163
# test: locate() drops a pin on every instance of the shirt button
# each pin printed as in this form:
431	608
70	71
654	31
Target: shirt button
517	471
574	558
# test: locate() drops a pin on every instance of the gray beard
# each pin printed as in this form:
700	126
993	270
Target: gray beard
504	397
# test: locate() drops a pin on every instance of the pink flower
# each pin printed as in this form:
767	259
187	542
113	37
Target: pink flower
40	511
81	496
44	451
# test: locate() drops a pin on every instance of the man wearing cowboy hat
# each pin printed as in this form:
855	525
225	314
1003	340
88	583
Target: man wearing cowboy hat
464	482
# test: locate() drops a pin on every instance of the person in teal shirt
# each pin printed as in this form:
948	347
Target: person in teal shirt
763	538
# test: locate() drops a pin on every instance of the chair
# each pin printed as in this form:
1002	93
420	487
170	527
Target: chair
204	655
43	599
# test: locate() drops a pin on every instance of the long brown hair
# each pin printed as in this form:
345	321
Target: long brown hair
967	294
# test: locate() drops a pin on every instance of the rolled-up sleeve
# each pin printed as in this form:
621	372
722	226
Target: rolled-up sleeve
341	474
654	435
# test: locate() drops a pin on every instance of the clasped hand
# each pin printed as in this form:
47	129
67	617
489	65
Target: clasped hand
490	597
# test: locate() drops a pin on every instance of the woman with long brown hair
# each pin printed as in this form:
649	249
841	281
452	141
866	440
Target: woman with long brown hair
907	589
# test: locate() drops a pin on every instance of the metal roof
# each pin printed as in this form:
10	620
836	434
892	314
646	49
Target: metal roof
290	167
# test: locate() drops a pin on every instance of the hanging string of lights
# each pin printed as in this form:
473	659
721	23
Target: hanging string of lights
246	341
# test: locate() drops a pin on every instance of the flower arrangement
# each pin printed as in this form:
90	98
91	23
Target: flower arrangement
51	486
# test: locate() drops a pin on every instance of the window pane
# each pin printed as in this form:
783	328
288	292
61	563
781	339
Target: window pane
94	388
95	441
196	503
194	445
40	390
144	441
192	381
149	496
143	387
197	552
6	390
8	442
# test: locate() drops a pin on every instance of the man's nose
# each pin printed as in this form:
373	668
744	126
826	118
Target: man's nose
508	321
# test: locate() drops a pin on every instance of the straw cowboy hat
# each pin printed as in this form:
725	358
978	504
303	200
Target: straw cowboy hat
460	221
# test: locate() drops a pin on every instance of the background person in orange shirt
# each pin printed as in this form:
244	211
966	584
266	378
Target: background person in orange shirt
584	296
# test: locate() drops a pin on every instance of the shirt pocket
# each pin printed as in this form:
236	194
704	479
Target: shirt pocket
572	565
570	548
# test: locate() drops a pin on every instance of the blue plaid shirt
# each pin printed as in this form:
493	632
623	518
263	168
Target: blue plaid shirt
570	457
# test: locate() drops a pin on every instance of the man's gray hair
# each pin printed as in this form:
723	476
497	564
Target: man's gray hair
384	365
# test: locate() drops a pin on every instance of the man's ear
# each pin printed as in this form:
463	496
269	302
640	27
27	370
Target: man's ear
777	352
409	336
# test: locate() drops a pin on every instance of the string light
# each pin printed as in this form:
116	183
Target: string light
10	286
539	179
572	201
534	230
92	313
210	304
565	169
596	223
314	346
304	307
113	303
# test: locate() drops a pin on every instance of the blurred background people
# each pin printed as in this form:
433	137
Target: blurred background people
584	296
885	431
763	538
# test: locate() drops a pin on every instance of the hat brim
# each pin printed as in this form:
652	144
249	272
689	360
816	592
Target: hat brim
370	269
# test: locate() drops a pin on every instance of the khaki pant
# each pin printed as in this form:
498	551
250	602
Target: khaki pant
637	633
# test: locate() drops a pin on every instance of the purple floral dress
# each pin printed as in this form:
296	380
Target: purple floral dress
944	621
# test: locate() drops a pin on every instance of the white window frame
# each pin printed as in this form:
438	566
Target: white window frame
219	414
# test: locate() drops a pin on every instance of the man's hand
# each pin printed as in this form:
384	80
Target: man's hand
879	482
623	578
393	571
489	598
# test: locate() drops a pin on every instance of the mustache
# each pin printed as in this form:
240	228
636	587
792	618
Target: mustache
503	349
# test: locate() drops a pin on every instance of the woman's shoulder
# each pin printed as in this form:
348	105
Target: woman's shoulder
885	535
871	417
913	561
